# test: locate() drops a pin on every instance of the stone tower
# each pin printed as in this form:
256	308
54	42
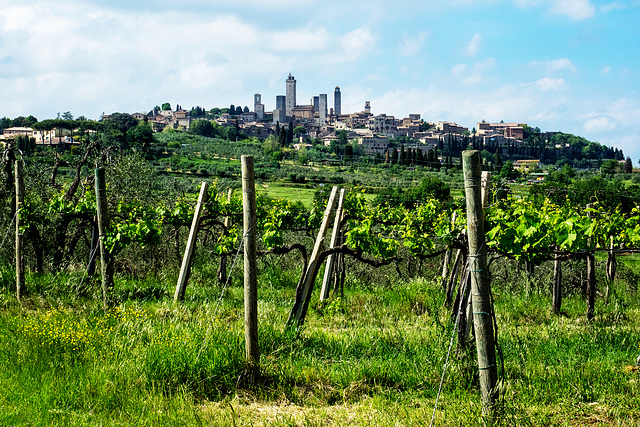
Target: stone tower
258	106
291	95
337	101
322	119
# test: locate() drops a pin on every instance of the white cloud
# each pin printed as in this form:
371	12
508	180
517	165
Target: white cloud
356	42
613	6
574	9
459	70
548	83
555	65
411	44
606	70
599	124
474	45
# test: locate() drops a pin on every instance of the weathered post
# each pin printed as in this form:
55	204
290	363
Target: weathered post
486	182
455	272
252	350
183	277
591	274
106	261
20	288
331	259
93	249
303	293
612	265
480	286
557	283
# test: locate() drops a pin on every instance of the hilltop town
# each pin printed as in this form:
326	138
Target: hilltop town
371	134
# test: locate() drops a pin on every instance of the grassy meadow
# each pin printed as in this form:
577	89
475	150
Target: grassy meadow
372	356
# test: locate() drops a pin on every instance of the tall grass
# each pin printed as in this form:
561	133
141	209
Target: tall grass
371	357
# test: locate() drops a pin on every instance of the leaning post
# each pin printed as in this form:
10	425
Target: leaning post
480	286
20	285
252	350
185	268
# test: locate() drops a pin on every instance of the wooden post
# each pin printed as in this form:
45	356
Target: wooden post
455	271
591	276
222	269
612	265
20	282
183	277
331	260
486	182
557	283
447	257
252	350
102	211
303	293
93	249
480	286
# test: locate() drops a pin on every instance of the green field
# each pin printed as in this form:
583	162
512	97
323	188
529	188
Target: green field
371	357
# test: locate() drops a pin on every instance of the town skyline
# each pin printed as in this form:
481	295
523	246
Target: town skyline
567	65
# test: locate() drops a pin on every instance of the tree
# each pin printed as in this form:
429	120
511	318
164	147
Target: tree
67	115
140	136
628	166
232	109
245	109
238	110
166	107
609	167
498	159
202	127
394	156
508	172
290	134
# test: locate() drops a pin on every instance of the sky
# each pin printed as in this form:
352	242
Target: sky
565	65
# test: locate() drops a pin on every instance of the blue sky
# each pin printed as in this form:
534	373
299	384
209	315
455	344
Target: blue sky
569	65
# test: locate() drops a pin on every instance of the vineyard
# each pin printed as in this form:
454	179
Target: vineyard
374	326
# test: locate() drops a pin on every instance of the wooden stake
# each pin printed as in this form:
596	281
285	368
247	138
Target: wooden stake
331	260
486	182
612	265
455	271
303	293
591	277
252	349
183	277
93	249
20	282
480	286
106	260
557	284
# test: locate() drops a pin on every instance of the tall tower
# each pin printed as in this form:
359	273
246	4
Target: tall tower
322	120
291	95
337	101
367	107
281	102
258	106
